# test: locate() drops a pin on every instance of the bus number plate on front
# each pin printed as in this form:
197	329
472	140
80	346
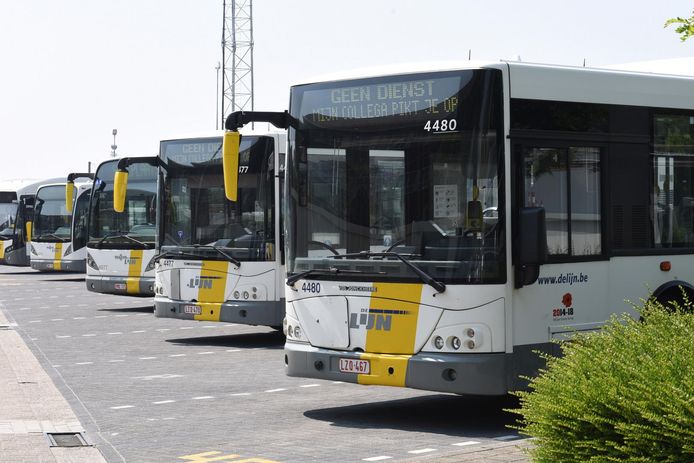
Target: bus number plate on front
192	309
121	286
355	366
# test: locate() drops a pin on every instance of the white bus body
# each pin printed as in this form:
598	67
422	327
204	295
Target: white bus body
457	169
16	216
59	236
220	260
122	245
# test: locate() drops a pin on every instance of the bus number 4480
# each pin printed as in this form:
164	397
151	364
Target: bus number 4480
441	125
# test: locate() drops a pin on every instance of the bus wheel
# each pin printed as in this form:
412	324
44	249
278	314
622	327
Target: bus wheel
676	293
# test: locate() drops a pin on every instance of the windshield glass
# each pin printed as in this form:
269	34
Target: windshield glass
408	164
8	215
51	219
195	210
138	220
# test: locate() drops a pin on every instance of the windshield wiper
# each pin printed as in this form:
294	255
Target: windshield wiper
425	277
120	234
59	238
323	271
231	258
166	254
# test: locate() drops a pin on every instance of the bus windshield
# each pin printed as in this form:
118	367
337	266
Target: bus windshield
408	164
8	214
195	210
52	221
137	223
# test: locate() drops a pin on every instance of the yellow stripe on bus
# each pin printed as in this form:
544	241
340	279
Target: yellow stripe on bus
2	249
57	256
394	309
212	291
386	370
132	283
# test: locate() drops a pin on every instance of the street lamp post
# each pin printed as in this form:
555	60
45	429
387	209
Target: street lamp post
114	146
217	98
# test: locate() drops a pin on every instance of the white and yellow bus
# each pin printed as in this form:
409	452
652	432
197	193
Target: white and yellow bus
219	260
447	221
16	216
121	245
59	235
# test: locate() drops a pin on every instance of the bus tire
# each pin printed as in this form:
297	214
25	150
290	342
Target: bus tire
678	292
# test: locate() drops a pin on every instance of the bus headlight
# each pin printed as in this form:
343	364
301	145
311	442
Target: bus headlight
33	250
455	342
152	263
68	250
438	342
91	262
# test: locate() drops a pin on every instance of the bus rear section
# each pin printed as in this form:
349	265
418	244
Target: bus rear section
59	236
220	260
8	217
121	245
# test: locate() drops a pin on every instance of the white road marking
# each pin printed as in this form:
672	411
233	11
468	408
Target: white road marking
379	458
116	360
205	353
63	306
139	331
101	316
276	390
84	363
64	336
417	452
122	315
57	319
233	350
121	407
164	402
163	329
88	335
310	385
203	397
35	321
186	328
147	358
240	394
467	442
79	318
177	355
115	332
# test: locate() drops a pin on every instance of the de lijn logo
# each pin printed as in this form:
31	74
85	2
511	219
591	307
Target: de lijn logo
374	319
202	282
126	259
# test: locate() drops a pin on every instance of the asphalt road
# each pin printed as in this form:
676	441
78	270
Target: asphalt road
161	390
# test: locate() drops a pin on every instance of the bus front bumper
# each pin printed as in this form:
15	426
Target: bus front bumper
128	286
473	374
45	265
266	313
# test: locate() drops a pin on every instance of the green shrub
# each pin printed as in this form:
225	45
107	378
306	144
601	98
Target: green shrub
623	394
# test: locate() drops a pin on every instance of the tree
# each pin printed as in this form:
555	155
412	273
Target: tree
685	28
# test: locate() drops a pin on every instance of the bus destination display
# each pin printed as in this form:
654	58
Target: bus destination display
413	99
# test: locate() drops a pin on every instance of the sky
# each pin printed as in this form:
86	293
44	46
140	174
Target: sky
73	70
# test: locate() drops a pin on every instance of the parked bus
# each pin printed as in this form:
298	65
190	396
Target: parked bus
219	260
445	223
121	246
16	215
59	233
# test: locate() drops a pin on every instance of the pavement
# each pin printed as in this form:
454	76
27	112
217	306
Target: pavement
32	409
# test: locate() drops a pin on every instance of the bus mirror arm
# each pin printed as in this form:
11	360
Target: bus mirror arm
281	120
531	245
120	179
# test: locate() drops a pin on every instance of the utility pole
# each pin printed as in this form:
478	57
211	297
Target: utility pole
114	146
237	57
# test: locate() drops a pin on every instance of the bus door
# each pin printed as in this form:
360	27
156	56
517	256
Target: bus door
570	293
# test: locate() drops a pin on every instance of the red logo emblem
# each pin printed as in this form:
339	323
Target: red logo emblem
566	300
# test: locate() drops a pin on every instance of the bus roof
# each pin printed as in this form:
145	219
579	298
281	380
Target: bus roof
557	82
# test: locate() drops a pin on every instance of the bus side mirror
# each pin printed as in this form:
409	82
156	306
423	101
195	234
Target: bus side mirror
28	230
531	245
69	193
120	185
230	162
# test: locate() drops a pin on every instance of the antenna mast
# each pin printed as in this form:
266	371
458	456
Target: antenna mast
237	56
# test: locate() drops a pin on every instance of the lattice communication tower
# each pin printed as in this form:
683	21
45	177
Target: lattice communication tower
237	56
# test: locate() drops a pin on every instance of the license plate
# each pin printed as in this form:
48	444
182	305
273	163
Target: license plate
355	366
192	309
121	286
